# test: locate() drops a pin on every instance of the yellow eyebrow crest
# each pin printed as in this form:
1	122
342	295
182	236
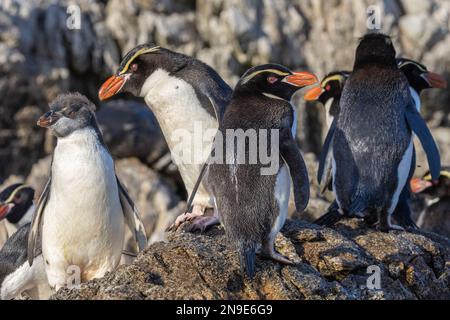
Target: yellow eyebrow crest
13	194
336	77
137	54
252	75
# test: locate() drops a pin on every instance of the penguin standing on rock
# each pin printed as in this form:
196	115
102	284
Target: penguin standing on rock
16	209
329	94
372	148
183	93
82	210
252	205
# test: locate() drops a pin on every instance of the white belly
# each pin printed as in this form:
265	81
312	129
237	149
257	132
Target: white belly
402	176
188	128
83	223
282	193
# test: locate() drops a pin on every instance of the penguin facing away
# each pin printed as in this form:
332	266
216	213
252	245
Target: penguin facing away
183	93
372	147
16	209
253	206
329	93
82	210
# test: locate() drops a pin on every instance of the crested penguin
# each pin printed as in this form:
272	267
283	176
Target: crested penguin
81	213
432	201
253	205
372	148
329	93
186	95
16	209
17	277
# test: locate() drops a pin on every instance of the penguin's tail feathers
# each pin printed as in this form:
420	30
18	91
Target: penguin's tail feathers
330	217
247	257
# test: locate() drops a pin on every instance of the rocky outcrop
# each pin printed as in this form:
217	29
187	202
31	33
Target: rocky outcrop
329	264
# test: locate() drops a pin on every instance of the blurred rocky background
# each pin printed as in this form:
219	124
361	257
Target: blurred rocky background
41	55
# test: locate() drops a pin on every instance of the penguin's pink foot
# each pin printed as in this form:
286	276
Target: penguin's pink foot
197	211
202	224
275	256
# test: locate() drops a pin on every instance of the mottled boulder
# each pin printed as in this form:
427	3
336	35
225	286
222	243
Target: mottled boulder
329	264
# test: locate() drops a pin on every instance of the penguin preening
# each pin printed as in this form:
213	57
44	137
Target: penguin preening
329	94
16	209
81	213
253	206
17	277
183	93
371	141
432	200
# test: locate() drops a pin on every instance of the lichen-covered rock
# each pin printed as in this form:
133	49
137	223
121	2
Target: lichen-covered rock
329	264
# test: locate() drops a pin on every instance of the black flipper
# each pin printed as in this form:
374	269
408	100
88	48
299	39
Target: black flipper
419	127
324	171
297	168
33	236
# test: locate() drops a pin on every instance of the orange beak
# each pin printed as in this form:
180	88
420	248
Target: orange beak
111	87
418	185
48	119
301	79
313	94
435	80
5	209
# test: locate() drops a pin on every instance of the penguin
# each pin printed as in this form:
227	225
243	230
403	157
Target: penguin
16	209
17	277
372	148
184	94
329	93
252	205
81	213
432	199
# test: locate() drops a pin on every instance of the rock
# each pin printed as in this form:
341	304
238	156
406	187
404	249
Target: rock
330	264
131	130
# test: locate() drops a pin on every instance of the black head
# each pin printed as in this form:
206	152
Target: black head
419	77
68	113
426	185
137	66
15	201
330	87
274	80
375	48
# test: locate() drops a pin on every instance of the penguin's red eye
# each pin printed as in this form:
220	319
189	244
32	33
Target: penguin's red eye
134	67
328	87
272	79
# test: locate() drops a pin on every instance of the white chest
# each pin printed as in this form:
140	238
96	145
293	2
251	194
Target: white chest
84	209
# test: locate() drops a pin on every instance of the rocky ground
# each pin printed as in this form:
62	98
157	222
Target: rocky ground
41	57
329	264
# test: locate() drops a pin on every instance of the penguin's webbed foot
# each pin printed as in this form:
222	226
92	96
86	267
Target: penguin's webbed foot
202	224
187	216
273	255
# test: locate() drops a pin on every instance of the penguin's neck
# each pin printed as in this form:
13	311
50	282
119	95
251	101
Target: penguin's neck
84	138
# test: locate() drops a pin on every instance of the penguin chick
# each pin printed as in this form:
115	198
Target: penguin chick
16	209
253	205
80	214
17	277
372	147
432	199
185	95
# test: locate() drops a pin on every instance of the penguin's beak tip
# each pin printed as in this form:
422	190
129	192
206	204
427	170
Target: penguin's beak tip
435	80
46	121
110	87
301	79
418	185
